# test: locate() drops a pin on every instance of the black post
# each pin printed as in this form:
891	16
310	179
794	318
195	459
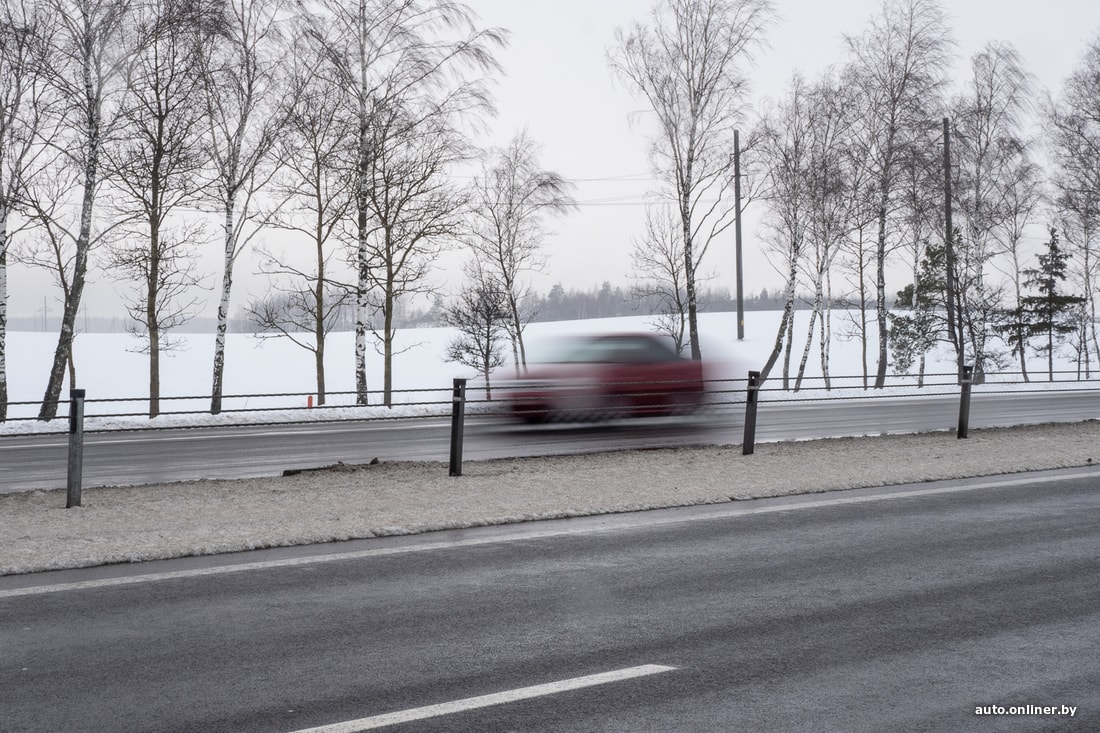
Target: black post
458	413
750	414
964	401
76	447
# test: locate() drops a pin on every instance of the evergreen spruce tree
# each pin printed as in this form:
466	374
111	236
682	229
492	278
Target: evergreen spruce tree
915	333
1049	313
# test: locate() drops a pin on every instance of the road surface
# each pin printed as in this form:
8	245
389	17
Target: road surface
908	608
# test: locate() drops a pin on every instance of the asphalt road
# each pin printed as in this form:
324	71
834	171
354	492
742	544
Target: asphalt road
145	457
891	609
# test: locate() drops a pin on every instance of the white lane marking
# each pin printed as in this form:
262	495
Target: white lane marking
484	701
735	509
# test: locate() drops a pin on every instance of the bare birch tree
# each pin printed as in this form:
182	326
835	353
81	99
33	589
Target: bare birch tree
831	206
312	197
510	200
988	148
1074	139
658	263
88	59
786	153
245	93
51	230
416	208
856	258
688	65
898	65
657	255
390	57
157	170
1022	198
920	221
25	34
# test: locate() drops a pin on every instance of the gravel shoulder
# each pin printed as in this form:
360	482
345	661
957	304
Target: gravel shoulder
138	523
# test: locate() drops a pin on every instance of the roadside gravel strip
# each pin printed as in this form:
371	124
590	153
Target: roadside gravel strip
130	524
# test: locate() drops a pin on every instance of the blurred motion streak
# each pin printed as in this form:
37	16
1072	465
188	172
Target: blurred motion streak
608	376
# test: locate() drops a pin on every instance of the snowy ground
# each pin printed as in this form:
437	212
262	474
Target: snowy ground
115	376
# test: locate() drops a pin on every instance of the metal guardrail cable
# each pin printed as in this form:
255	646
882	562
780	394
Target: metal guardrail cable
716	393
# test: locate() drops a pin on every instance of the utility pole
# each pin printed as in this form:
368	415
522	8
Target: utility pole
737	235
956	335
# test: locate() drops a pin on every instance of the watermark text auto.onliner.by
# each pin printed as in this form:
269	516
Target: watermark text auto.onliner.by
1059	710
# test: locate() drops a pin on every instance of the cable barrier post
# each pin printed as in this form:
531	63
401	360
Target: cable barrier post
749	443
76	447
965	383
458	414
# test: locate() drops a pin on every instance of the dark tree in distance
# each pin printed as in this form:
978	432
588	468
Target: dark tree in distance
480	314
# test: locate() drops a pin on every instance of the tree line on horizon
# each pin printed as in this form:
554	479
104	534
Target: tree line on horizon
135	132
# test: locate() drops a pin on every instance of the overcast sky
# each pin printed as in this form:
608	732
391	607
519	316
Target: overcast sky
557	84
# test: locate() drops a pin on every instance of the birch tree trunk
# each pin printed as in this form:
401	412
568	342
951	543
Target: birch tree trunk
63	351
362	253
230	255
362	325
3	313
806	348
786	324
387	346
151	319
880	287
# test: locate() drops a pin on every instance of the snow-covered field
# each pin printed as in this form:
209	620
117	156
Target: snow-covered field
110	368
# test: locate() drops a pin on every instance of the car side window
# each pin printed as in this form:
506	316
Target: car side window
642	351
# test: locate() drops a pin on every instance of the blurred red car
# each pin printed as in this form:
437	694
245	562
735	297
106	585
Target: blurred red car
608	376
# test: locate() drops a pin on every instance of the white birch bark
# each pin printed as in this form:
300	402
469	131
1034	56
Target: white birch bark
230	255
3	313
91	44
